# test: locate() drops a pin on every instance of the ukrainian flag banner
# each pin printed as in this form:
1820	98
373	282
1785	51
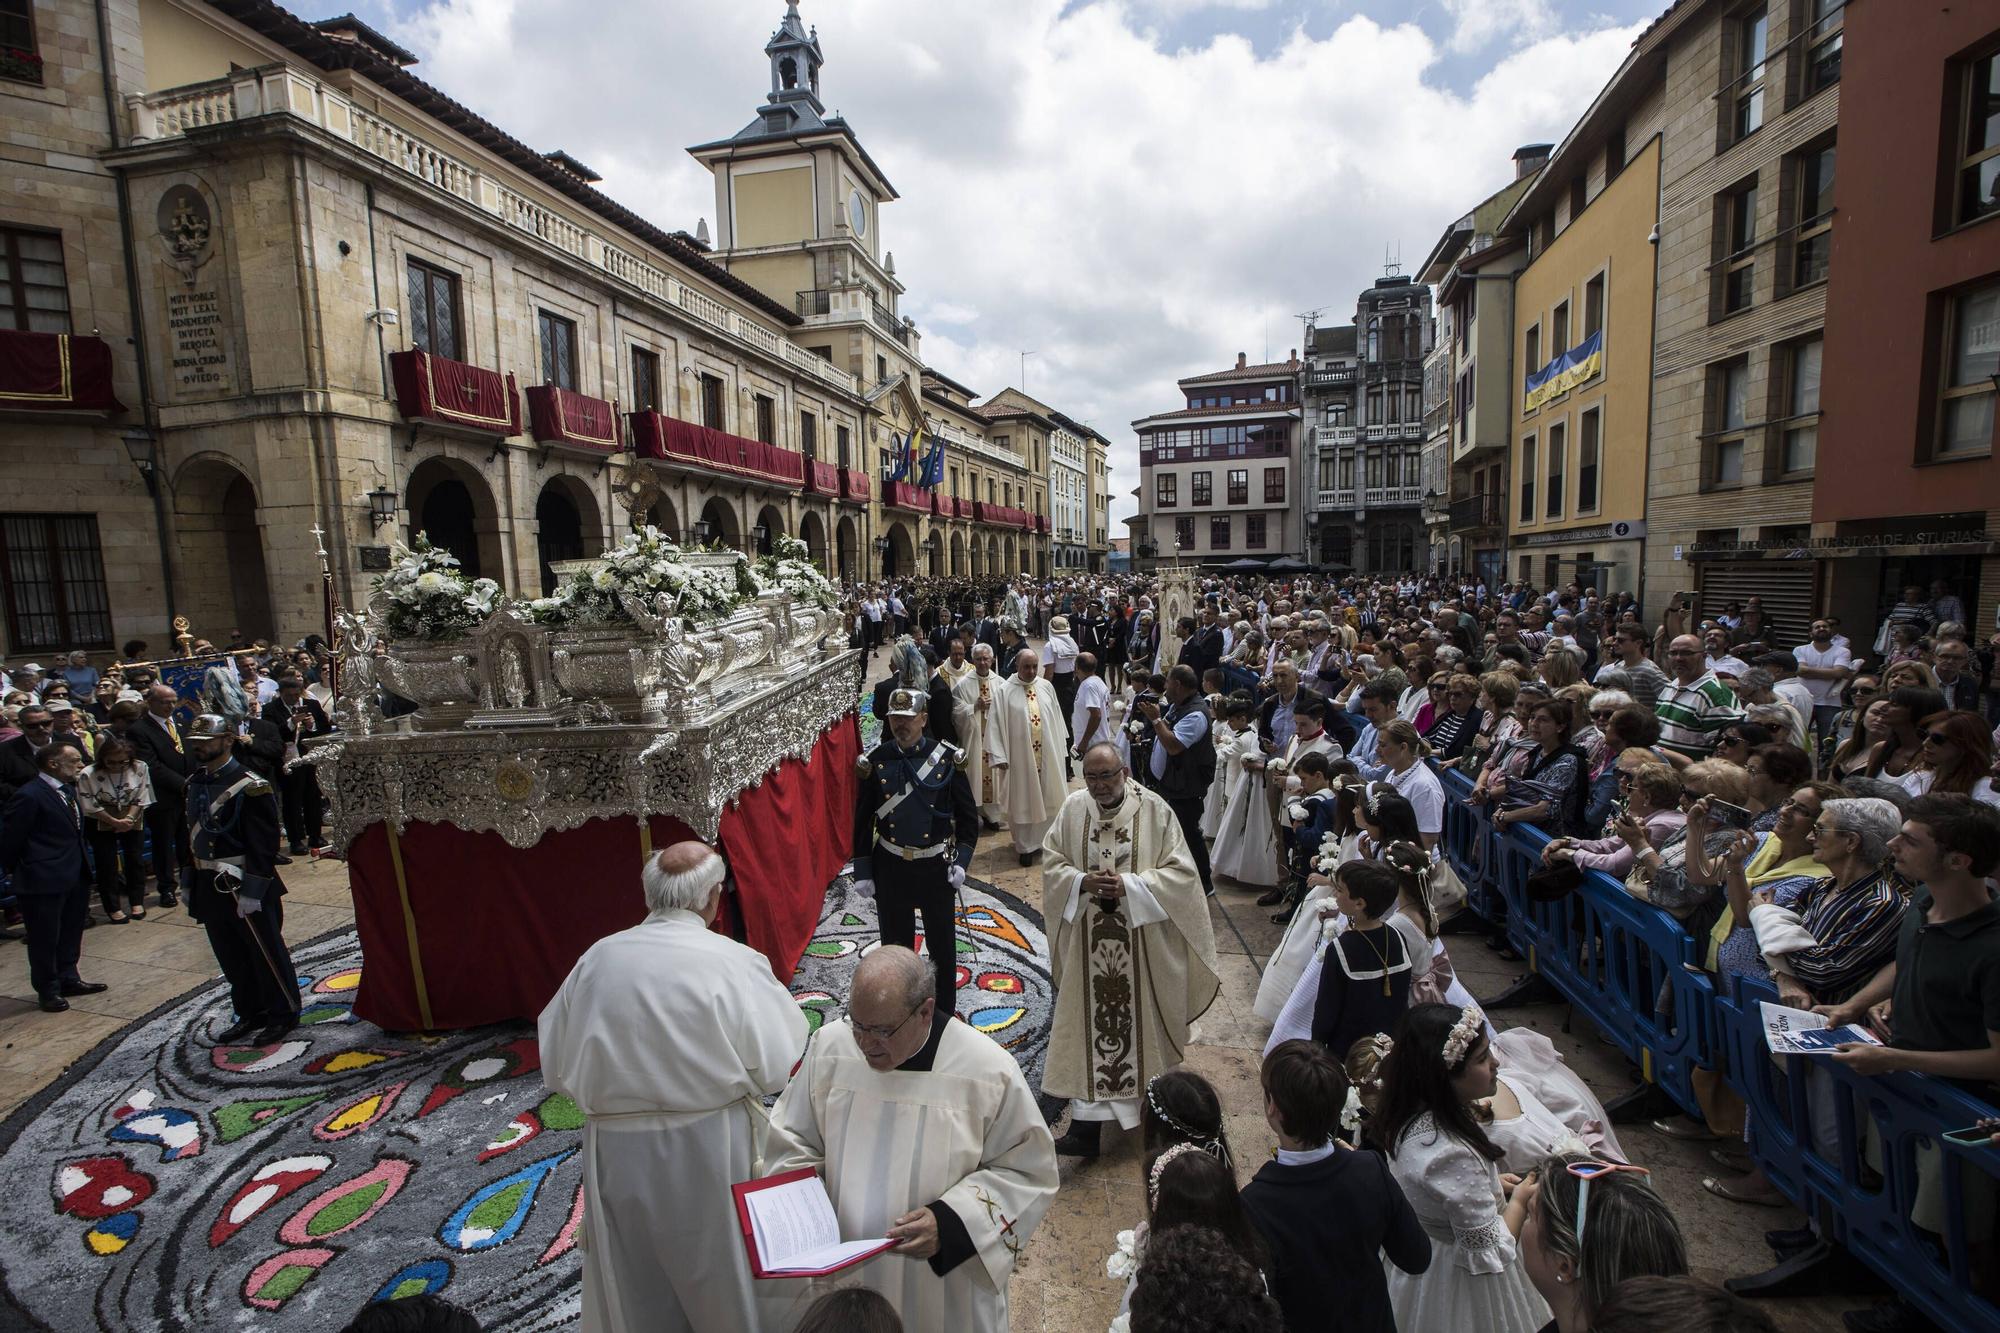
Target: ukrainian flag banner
1573	367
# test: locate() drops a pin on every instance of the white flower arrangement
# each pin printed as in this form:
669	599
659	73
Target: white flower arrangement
1123	1262
643	566
789	568
424	596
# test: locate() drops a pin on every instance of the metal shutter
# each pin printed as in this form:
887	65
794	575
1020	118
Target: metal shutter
1786	587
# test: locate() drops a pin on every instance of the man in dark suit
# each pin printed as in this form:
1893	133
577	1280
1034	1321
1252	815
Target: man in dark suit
988	631
18	767
42	847
298	720
1201	646
157	738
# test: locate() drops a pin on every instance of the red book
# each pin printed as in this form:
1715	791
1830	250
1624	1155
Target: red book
790	1230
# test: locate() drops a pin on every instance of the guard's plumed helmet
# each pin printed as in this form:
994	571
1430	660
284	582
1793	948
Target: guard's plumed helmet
209	727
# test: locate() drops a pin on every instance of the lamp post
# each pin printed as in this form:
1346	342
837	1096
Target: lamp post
881	545
762	534
144	448
381	507
702	531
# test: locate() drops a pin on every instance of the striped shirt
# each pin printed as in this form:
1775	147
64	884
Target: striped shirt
1857	930
1647	680
1691	715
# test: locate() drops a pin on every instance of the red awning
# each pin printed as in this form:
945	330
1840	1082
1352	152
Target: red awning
676	441
452	393
564	416
55	372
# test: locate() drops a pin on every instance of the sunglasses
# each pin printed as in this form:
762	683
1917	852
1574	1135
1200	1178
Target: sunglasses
1602	714
1585	1172
1730	739
1936	738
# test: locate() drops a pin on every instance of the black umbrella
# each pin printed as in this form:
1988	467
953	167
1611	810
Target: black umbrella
1285	564
1246	565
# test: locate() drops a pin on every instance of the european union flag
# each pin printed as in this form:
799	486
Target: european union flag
934	463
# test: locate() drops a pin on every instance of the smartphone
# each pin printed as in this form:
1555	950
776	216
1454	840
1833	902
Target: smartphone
1724	815
1975	1136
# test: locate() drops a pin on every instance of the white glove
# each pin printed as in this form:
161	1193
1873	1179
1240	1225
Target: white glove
864	888
956	875
245	906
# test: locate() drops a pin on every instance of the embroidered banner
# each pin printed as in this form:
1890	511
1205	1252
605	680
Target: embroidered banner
564	416
452	393
55	372
656	436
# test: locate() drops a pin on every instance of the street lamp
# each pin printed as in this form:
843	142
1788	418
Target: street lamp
381	507
762	532
702	530
144	449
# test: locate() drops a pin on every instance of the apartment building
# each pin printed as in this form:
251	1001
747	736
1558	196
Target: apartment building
1218	476
1372	517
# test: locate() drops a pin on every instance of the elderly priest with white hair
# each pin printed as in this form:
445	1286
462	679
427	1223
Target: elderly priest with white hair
925	1132
667	1036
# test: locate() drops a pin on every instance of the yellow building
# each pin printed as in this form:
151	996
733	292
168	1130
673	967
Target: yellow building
1583	348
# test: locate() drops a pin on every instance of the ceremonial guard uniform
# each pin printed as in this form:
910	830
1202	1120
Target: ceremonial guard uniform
234	890
914	829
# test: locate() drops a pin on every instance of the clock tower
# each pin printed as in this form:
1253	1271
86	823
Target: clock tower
798	207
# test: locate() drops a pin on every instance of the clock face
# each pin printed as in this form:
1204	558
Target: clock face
857	213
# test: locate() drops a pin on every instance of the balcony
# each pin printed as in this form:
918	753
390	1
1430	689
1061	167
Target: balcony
1478	511
279	89
450	393
890	325
1326	437
1041	523
685	444
822	478
1331	377
855	488
1405	430
1004	516
55	372
906	495
1362	499
576	421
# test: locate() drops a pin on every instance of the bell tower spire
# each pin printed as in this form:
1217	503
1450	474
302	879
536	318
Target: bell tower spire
795	61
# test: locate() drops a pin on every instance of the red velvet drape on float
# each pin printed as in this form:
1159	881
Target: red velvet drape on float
459	929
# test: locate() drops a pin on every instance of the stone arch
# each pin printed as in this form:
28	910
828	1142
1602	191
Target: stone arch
994	569
846	550
958	568
1010	560
901	557
665	517
724	528
812	531
568	527
772	520
450	502
934	553
219	529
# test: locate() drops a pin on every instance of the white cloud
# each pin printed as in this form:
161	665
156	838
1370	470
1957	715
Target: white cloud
1132	213
1477	23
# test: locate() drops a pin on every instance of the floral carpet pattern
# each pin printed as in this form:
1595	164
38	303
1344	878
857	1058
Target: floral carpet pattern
169	1182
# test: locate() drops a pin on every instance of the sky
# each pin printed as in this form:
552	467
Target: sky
1131	190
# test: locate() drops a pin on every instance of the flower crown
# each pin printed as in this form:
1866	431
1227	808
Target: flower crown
1208	1143
1160	1164
1463	1033
1351	1112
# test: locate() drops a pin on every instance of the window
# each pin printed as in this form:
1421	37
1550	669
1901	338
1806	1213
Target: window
35	295
1183	534
1218	532
558	340
1253	532
992	489
767	419
1579	197
1802	407
1979	141
1532	352
840	444
1559	329
881	369
1203	487
1528	480
1971	360
1589	445
1593	307
711	401
1738	268
1814	241
1730	386
20	53
1614	152
1373	351
645	380
1347	471
1239	485
809	442
1558	450
1822	64
1274	485
1374	407
1166	490
53	572
1752	33
434	310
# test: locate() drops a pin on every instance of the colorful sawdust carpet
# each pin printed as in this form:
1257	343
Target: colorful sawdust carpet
166	1182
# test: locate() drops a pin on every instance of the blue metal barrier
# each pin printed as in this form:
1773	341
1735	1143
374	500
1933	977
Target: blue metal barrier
1811	1126
1635	972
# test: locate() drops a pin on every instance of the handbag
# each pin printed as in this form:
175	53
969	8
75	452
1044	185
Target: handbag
1554	882
1448	892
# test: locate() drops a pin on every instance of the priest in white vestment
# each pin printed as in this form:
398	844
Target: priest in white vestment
972	711
666	1036
925	1132
1131	950
1030	739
